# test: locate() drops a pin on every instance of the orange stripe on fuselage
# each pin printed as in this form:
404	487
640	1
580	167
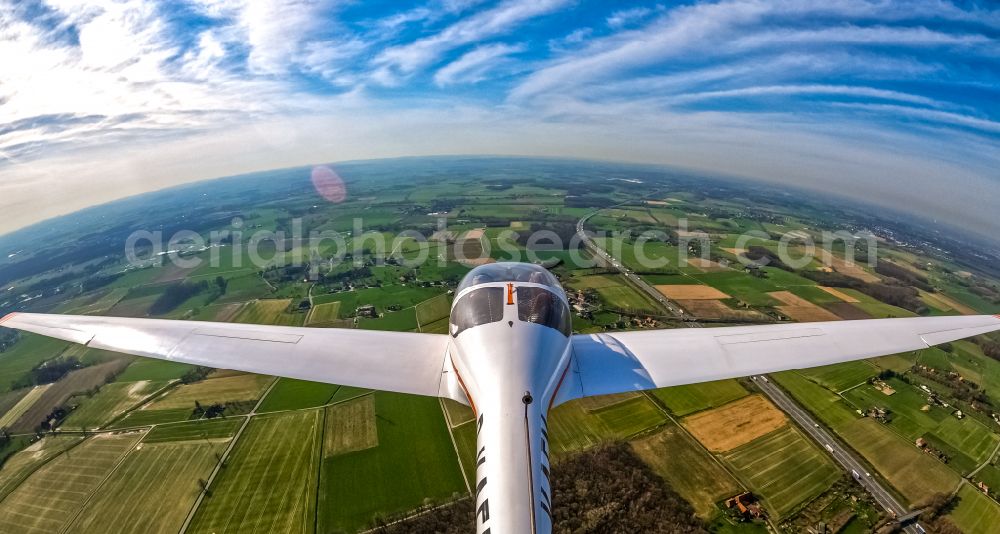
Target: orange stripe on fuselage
461	384
559	385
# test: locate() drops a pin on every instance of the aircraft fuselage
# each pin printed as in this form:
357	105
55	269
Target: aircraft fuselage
511	367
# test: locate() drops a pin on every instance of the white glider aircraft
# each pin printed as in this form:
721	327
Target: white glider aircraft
511	356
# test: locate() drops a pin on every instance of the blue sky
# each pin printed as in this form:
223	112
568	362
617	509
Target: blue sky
891	102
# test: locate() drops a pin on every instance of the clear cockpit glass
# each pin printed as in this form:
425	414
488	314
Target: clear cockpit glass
508	272
541	306
477	307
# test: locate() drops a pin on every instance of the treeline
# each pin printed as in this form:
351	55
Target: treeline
904	275
603	490
564	233
8	337
898	295
176	294
47	372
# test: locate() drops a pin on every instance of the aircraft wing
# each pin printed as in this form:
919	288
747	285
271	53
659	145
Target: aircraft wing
390	361
634	361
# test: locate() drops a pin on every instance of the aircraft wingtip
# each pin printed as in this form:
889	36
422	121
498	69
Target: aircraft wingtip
6	317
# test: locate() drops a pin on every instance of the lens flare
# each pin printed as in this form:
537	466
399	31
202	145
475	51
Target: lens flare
328	184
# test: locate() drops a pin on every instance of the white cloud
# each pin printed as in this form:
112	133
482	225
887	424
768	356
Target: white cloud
626	17
473	66
839	90
404	60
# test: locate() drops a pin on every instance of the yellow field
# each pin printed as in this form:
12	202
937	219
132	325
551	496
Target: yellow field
737	423
242	387
23	463
22	406
849	269
691	292
52	495
707	265
266	311
839	294
153	489
350	426
945	303
324	313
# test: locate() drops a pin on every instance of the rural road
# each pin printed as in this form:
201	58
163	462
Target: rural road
840	453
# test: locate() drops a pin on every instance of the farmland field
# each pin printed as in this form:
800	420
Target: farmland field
205	429
785	468
243	387
110	402
830	408
414	460
324	313
23	463
152	490
56	394
734	424
22	405
914	474
690	470
572	427
269	482
292	394
684	400
58	489
841	376
976	513
152	369
269	311
433	309
350	426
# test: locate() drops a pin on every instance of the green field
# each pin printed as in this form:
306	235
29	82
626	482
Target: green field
292	394
433	309
414	460
152	490
842	375
688	468
572	427
785	468
830	408
111	401
153	369
905	405
626	298
913	473
269	482
684	400
976	513
30	351
58	490
205	429
153	417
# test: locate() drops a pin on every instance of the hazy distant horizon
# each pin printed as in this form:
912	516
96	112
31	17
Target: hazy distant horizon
827	197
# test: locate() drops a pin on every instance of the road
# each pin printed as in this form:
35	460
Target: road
840	453
632	277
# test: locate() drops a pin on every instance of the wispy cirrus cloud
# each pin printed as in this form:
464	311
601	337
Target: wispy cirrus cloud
895	93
